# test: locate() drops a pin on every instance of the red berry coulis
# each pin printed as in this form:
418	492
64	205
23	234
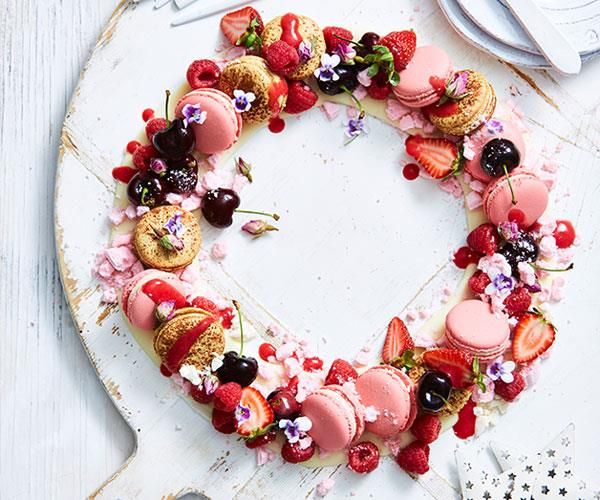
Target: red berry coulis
123	173
465	426
411	171
276	125
564	234
290	32
516	215
266	350
160	291
147	114
132	146
465	256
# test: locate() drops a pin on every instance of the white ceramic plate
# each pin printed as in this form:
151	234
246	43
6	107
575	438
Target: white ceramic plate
472	33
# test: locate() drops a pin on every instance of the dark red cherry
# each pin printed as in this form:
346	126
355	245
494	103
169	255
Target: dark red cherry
284	404
145	189
498	155
176	141
218	206
434	390
236	368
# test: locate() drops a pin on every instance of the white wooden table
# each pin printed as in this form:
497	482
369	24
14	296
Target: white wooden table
60	436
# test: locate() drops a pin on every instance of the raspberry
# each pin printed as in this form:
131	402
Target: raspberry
300	98
261	440
203	73
293	453
484	239
154	126
402	45
426	428
132	146
340	372
379	92
313	364
282	58
509	392
199	394
414	458
331	40
206	305
479	281
227	396
147	114
517	302
363	457
224	421
142	156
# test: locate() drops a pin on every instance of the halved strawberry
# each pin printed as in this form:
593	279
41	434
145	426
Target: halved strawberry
458	365
533	335
397	340
438	156
260	412
243	27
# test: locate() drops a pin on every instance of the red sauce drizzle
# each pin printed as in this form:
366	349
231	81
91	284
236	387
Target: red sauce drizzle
290	34
449	108
160	291
123	173
465	426
465	256
182	346
411	171
276	125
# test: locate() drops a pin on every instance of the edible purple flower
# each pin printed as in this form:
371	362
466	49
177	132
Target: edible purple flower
165	310
501	370
192	113
355	127
174	225
494	126
509	231
242	413
293	429
363	78
456	87
346	52
305	51
242	101
210	383
500	283
158	166
258	227
325	72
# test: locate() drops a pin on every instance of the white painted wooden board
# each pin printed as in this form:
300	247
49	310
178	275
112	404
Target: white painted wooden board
575	122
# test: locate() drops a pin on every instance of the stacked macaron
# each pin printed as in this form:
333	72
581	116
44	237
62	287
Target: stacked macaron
391	393
222	126
337	417
471	326
144	292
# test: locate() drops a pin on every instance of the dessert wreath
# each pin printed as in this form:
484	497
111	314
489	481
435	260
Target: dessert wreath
285	398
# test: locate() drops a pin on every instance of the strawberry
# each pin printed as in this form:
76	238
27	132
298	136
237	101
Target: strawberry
439	157
340	372
458	365
509	392
300	98
479	281
438	84
414	458
532	336
518	301
363	457
261	413
243	27
484	239
331	34
426	428
397	340
402	45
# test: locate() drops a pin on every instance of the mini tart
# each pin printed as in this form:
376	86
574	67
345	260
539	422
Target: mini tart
473	110
147	243
309	31
209	344
251	74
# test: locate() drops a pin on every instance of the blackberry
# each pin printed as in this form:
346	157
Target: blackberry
524	249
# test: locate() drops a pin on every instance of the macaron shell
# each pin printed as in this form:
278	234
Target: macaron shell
414	89
531	198
479	139
472	326
134	280
140	307
223	125
333	418
391	393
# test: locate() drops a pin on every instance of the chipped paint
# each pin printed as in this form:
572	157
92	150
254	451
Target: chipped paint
107	311
531	82
113	389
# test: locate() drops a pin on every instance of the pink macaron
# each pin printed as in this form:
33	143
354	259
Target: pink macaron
223	125
391	393
143	292
494	129
471	326
530	196
415	89
337	417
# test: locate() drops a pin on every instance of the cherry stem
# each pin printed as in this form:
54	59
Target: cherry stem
441	397
548	270
273	216
512	193
348	41
168	94
241	320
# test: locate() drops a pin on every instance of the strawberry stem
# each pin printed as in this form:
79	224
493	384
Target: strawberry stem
241	320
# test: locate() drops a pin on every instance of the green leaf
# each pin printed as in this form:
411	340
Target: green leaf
380	49
388	57
373	70
371	58
394	79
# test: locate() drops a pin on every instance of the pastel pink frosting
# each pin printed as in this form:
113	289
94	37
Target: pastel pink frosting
414	89
392	394
471	326
223	125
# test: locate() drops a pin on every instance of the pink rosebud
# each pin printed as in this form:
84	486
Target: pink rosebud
258	227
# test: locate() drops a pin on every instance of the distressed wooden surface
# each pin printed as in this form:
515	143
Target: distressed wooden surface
60	437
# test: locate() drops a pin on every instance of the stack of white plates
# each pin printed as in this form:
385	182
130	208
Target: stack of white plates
490	26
